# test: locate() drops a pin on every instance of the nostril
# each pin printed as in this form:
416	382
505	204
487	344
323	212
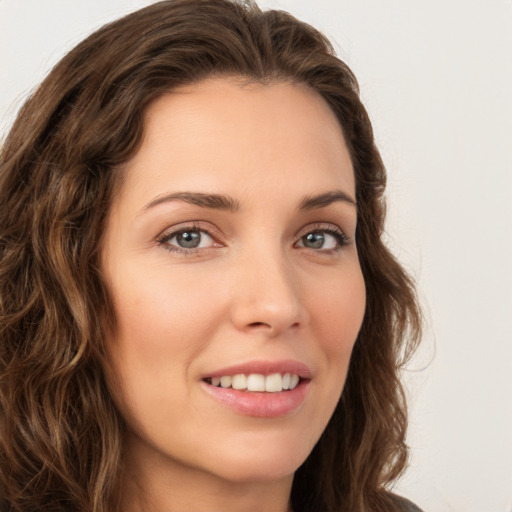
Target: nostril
259	324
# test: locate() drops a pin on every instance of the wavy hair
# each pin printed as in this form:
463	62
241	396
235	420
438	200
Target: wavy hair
61	436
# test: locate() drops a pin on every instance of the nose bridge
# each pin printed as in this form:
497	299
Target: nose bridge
267	294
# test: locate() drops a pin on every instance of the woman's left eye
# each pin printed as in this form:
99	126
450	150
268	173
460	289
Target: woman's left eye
187	239
322	239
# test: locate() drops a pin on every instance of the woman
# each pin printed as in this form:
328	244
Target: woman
198	312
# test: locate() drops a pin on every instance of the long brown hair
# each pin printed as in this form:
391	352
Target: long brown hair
60	434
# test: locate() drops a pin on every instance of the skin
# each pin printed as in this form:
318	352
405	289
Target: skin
254	289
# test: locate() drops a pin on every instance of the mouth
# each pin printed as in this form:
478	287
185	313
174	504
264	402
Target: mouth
257	382
260	389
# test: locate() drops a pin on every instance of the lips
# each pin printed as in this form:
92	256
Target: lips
261	388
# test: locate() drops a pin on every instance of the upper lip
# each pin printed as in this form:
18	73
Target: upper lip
265	368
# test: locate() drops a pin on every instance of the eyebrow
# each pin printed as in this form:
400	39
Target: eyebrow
325	199
215	201
222	202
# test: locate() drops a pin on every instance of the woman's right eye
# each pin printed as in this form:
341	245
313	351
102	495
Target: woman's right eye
186	239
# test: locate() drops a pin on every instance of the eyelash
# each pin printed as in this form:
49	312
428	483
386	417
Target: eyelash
341	238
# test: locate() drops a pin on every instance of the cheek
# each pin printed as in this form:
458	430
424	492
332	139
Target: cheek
158	313
337	313
158	336
337	319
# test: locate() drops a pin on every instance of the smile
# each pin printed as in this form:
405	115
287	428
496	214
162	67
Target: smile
256	382
261	389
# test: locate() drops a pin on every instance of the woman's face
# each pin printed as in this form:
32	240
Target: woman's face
230	251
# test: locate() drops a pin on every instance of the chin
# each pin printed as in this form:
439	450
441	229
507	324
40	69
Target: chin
262	462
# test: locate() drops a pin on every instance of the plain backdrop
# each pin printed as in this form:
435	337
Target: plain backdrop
436	78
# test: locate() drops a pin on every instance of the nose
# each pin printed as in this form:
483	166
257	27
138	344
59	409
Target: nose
266	295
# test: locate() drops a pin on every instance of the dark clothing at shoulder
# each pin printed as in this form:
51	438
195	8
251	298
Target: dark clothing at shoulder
405	505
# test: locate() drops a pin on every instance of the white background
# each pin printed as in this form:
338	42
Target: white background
436	77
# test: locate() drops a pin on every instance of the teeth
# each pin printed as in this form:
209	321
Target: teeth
273	383
239	382
225	382
255	382
294	380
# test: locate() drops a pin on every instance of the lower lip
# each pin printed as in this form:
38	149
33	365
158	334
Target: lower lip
258	404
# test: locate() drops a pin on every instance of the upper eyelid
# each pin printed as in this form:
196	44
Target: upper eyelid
190	226
321	226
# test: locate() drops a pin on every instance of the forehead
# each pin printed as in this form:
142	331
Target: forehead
223	128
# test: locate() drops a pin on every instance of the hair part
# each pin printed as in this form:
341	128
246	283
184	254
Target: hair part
60	433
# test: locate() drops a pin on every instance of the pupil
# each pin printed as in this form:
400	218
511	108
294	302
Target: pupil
189	239
314	240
